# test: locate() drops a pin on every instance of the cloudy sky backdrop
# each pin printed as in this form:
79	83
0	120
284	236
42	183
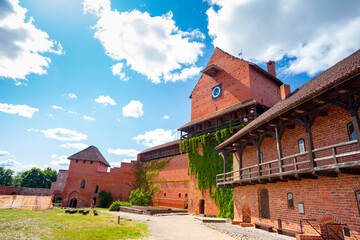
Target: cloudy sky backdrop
118	74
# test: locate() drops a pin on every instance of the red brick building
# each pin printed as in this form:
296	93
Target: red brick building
300	160
88	174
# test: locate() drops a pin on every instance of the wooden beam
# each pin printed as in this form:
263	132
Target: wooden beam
271	124
299	110
353	171
343	91
284	118
278	148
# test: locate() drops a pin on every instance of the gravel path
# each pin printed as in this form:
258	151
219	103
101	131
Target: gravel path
185	227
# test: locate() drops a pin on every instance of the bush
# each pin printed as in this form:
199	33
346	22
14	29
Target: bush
105	198
118	203
140	197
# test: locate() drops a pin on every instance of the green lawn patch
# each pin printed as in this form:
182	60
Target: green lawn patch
55	224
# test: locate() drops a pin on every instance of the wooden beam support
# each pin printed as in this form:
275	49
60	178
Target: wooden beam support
299	111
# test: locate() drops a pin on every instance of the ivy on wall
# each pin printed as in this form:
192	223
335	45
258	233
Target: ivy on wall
146	174
206	167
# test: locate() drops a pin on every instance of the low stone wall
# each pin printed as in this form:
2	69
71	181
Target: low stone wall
24	191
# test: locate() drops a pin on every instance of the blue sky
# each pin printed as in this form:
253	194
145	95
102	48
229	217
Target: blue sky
118	74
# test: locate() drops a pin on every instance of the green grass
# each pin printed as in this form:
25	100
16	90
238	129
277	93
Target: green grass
55	224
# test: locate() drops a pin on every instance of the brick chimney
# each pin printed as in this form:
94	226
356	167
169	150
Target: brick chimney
284	91
271	68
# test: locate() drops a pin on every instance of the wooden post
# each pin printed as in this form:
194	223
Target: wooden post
257	143
278	147
239	150
356	123
224	155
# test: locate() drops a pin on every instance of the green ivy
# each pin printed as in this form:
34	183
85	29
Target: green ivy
206	167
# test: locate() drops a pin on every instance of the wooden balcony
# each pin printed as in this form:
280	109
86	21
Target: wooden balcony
329	161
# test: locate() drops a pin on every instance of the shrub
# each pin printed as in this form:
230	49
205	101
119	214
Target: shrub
118	203
140	197
105	198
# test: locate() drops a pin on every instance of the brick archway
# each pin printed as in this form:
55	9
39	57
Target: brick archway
246	214
333	230
73	195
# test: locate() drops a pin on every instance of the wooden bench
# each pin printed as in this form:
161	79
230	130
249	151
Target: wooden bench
264	226
287	232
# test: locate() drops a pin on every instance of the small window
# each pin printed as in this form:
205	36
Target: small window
290	200
91	162
84	162
96	189
301	143
77	161
185	195
261	158
165	194
351	132
179	195
82	185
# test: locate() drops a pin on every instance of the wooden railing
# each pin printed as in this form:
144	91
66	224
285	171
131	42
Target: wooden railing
293	164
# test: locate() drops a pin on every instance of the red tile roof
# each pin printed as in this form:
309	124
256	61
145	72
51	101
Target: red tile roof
335	75
91	154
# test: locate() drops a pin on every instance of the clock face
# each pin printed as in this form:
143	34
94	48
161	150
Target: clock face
216	91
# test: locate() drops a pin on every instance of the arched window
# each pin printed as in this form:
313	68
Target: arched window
179	195
351	132
82	185
301	144
290	200
165	194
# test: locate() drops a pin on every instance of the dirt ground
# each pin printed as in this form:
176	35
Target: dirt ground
176	227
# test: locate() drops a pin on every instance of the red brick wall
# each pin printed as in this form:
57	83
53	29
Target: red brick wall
238	83
263	90
119	181
24	191
325	199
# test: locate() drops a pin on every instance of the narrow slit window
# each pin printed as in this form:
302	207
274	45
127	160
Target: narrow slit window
82	185
84	162
96	189
290	200
261	158
301	143
351	132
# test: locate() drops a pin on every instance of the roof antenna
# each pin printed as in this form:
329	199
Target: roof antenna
241	54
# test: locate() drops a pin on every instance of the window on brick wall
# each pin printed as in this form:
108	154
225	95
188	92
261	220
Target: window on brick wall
301	144
77	161
82	185
96	189
290	200
84	162
91	162
351	132
164	194
357	195
179	195
261	158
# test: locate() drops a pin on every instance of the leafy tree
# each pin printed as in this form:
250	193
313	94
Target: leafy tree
5	176
140	197
16	180
33	178
50	176
105	198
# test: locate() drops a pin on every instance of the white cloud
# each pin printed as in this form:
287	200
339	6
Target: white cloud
152	46
32	130
21	110
185	74
71	95
9	163
133	109
105	100
123	152
22	44
59	160
64	134
118	164
57	107
157	137
88	118
314	37
166	117
71	112
49	115
79	146
4	153
117	70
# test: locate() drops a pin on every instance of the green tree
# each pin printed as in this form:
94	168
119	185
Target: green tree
16	180
5	176
105	198
50	176
33	178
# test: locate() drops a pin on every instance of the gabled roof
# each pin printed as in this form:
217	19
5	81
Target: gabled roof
218	113
333	76
91	154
